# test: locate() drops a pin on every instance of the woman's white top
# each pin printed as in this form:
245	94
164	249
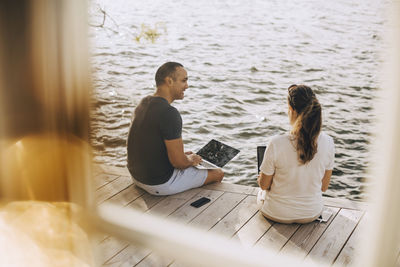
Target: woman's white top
296	188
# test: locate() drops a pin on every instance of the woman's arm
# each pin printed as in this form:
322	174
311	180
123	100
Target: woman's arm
265	181
325	180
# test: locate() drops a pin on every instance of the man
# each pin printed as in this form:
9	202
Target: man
156	158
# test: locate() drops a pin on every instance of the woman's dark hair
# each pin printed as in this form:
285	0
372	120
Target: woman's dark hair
166	70
307	125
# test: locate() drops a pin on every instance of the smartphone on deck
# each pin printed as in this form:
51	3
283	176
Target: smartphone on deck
200	202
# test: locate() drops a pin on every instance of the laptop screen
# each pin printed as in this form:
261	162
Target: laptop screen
260	156
217	153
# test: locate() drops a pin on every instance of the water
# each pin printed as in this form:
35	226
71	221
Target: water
241	56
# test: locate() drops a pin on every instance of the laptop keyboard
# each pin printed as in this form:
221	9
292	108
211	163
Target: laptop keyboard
207	165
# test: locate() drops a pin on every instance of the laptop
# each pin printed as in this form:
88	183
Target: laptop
215	155
260	156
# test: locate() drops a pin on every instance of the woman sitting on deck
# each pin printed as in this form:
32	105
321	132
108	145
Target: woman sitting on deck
297	166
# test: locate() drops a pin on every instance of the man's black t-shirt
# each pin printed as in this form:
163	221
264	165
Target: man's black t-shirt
155	120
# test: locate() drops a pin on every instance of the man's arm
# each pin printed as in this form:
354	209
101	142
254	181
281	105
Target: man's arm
265	181
325	180
177	157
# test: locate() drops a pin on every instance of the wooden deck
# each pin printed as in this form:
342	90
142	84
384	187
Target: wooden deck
232	213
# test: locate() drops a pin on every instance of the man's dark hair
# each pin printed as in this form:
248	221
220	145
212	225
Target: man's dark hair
166	70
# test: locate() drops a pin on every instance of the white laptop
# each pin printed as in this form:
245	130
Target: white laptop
215	155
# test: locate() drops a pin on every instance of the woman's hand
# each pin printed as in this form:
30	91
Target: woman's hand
265	181
326	180
261	198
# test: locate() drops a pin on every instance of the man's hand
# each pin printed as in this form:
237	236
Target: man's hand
194	158
178	158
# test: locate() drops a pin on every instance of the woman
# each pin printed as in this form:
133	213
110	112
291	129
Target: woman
297	167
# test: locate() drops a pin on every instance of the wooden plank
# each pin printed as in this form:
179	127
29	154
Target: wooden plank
112	188
214	213
173	202
145	202
142	203
186	213
163	206
328	201
349	252
277	236
217	210
126	196
236	188
307	235
102	179
233	188
109	247
178	264
333	239
101	168
96	169
234	221
129	256
98	237
253	230
241	219
160	205
153	260
345	203
123	198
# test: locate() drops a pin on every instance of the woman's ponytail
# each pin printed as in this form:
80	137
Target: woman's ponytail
308	123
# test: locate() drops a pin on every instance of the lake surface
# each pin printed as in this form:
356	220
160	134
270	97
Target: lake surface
241	56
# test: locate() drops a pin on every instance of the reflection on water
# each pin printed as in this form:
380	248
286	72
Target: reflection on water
240	60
